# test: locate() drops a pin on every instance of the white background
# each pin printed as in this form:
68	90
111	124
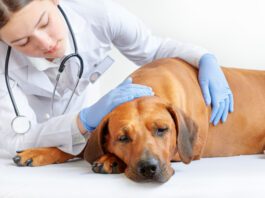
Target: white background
234	30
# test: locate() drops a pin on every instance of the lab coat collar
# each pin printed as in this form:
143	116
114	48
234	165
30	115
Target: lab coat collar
41	64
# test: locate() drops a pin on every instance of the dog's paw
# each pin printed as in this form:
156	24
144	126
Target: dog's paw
108	164
40	157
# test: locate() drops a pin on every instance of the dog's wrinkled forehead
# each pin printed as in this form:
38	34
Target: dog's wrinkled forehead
141	109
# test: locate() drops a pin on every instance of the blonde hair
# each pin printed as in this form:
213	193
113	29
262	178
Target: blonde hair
7	7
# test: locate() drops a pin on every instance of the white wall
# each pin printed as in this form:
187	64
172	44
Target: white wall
234	30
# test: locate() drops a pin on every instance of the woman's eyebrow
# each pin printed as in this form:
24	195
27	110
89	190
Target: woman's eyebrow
14	41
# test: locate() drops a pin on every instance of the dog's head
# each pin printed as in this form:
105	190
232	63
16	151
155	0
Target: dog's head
145	134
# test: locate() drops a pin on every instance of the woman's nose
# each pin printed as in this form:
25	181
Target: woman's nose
43	41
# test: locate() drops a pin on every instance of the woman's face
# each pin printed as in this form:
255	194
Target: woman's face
37	30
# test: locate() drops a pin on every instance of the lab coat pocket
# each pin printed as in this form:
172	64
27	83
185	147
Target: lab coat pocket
94	73
99	68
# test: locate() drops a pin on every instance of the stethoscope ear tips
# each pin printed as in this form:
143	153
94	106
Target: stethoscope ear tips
21	124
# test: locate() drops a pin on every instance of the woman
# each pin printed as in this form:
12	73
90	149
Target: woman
40	39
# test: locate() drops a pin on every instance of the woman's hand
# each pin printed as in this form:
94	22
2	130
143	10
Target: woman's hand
215	88
126	91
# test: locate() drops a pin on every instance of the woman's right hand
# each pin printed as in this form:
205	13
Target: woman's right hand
90	117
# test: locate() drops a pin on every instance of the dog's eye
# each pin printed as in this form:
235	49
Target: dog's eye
161	131
124	138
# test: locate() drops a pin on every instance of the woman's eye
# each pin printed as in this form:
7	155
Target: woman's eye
161	131
45	23
124	139
23	42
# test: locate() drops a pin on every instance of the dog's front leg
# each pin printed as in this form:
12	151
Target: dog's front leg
41	157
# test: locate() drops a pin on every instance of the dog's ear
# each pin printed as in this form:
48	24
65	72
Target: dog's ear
94	148
186	133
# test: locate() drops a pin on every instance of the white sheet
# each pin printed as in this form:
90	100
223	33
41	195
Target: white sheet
241	176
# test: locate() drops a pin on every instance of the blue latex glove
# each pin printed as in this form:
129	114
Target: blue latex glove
126	91
215	88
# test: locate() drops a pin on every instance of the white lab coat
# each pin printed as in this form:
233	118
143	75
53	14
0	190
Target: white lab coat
98	25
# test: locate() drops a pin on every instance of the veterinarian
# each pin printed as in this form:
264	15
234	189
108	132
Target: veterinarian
41	107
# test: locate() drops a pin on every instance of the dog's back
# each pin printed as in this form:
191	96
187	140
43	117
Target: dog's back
244	130
242	133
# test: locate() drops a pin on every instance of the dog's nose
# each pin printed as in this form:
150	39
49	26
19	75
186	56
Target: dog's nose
148	168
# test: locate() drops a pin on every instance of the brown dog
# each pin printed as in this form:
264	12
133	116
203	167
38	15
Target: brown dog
143	136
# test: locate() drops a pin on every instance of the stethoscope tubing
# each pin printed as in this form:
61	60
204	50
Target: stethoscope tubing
14	104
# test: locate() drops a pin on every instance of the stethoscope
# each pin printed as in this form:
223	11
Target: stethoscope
21	124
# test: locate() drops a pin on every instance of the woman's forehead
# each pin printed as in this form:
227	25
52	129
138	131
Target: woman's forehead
24	20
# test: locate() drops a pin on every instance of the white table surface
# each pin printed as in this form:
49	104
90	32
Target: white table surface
241	176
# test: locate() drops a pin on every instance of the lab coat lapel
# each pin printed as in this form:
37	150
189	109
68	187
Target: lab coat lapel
41	83
34	82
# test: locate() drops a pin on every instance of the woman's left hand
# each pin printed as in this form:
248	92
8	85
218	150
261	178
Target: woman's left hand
215	88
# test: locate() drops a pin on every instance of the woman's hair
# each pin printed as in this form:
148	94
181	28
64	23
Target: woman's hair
7	7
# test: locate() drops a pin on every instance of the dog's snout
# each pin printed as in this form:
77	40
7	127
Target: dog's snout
148	168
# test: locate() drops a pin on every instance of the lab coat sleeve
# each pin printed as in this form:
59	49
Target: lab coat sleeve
61	131
138	44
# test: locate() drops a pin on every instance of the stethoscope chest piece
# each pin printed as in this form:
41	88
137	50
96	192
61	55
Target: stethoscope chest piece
21	124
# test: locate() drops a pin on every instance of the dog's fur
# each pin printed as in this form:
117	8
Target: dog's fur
143	136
